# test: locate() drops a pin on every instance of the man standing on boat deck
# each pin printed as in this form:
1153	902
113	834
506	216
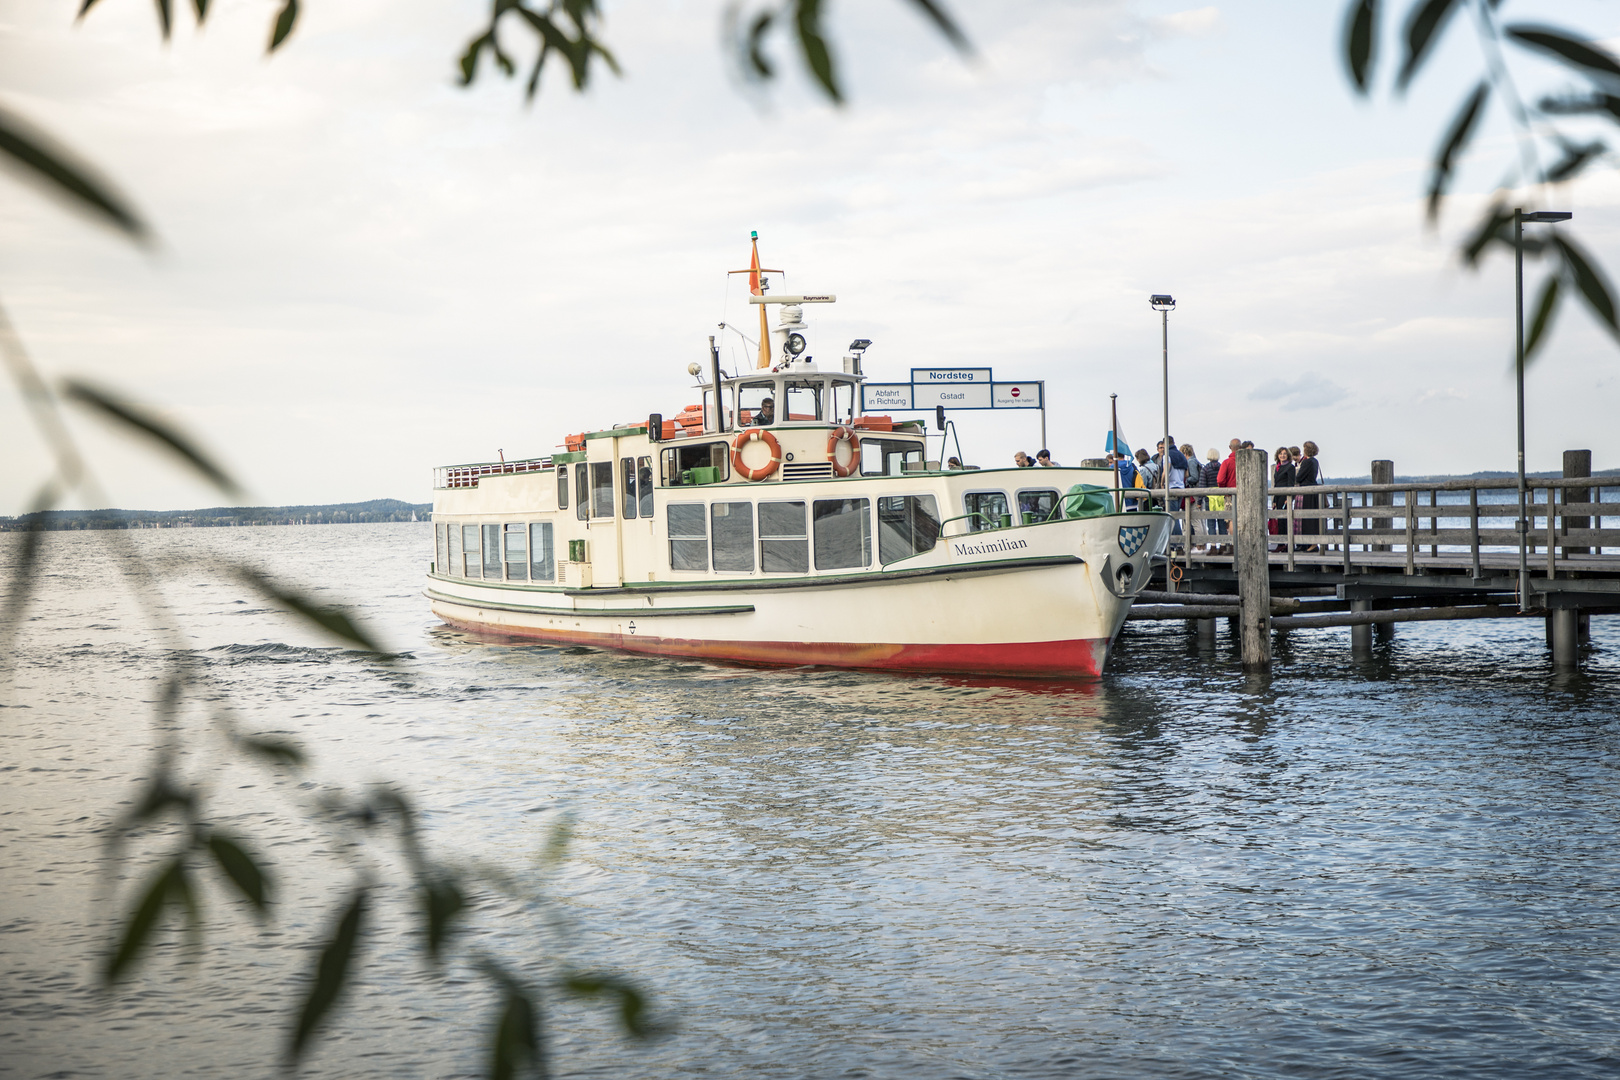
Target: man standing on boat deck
1023	460
1044	457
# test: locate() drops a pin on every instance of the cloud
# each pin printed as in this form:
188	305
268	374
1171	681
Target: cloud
1197	23
1305	392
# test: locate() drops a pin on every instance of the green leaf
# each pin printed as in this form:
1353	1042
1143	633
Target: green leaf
807	19
1606	103
1543	318
131	415
442	901
517	1035
1589	279
284	24
1576	51
62	175
202	10
280	751
1360	39
632	1003
166	16
241	868
331	973
1491	228
167	885
1423	27
469	59
945	25
756	39
1576	157
1462	128
332	620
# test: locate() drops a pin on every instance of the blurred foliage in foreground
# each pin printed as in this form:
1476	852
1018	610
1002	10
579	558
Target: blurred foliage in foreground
1545	154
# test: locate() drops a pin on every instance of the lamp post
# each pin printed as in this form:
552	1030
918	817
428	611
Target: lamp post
1164	305
1519	218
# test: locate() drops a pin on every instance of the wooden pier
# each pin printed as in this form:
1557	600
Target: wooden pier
1388	552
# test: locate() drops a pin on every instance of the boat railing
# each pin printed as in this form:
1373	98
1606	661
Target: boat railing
467	476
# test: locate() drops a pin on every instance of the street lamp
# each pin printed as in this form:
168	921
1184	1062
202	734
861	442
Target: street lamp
1164	305
1519	218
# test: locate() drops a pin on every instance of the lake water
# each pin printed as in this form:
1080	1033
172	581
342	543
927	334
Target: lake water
1401	866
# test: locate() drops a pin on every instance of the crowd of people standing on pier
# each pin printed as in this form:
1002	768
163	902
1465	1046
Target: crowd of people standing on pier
1292	467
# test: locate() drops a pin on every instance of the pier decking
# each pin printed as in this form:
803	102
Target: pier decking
1390	552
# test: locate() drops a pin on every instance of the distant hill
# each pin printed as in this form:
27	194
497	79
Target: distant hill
221	516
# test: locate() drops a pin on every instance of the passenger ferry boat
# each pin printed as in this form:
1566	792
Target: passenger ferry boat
773	523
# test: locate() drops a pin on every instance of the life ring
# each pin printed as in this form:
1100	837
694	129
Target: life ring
742	440
839	434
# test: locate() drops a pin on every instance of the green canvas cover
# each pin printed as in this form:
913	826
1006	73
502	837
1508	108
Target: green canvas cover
1087	500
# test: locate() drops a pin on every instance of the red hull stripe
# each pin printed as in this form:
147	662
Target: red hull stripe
1076	657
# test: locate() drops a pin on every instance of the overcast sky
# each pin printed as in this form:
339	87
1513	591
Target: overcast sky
366	271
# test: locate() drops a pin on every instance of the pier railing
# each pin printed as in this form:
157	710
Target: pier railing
1410	525
467	476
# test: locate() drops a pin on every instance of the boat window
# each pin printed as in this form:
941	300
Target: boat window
644	480
750	396
907	525
542	565
562	487
452	561
732	532
803	400
688	536
705	463
885	457
627	473
843	402
441	548
843	533
471	566
517	552
784	546
602	489
1036	504
986	509
492	552
582	492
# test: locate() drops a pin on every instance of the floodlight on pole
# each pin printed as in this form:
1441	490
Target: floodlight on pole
1536	217
1165	304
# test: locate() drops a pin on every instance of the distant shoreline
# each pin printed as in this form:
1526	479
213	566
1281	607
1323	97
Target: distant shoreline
352	513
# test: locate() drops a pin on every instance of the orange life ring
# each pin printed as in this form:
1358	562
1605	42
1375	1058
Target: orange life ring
742	440
839	434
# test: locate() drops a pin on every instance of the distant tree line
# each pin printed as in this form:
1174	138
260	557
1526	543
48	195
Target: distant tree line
353	513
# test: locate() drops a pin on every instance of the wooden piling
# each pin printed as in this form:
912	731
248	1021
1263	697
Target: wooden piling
1249	540
1383	472
1576	463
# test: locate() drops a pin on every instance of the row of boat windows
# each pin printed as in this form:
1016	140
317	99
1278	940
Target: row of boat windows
592	488
516	552
776	536
782	537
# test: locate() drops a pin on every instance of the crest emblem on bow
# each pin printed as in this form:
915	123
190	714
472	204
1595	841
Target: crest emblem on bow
1131	538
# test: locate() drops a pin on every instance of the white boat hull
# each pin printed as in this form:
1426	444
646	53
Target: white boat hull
1042	600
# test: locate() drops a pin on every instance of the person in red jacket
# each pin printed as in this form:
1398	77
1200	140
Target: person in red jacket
1227	477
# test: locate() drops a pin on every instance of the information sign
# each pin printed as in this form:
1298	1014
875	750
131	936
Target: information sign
881	397
948	376
1016	395
952	396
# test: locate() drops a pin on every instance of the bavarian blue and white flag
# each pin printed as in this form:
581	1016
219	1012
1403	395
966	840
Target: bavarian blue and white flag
1115	443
